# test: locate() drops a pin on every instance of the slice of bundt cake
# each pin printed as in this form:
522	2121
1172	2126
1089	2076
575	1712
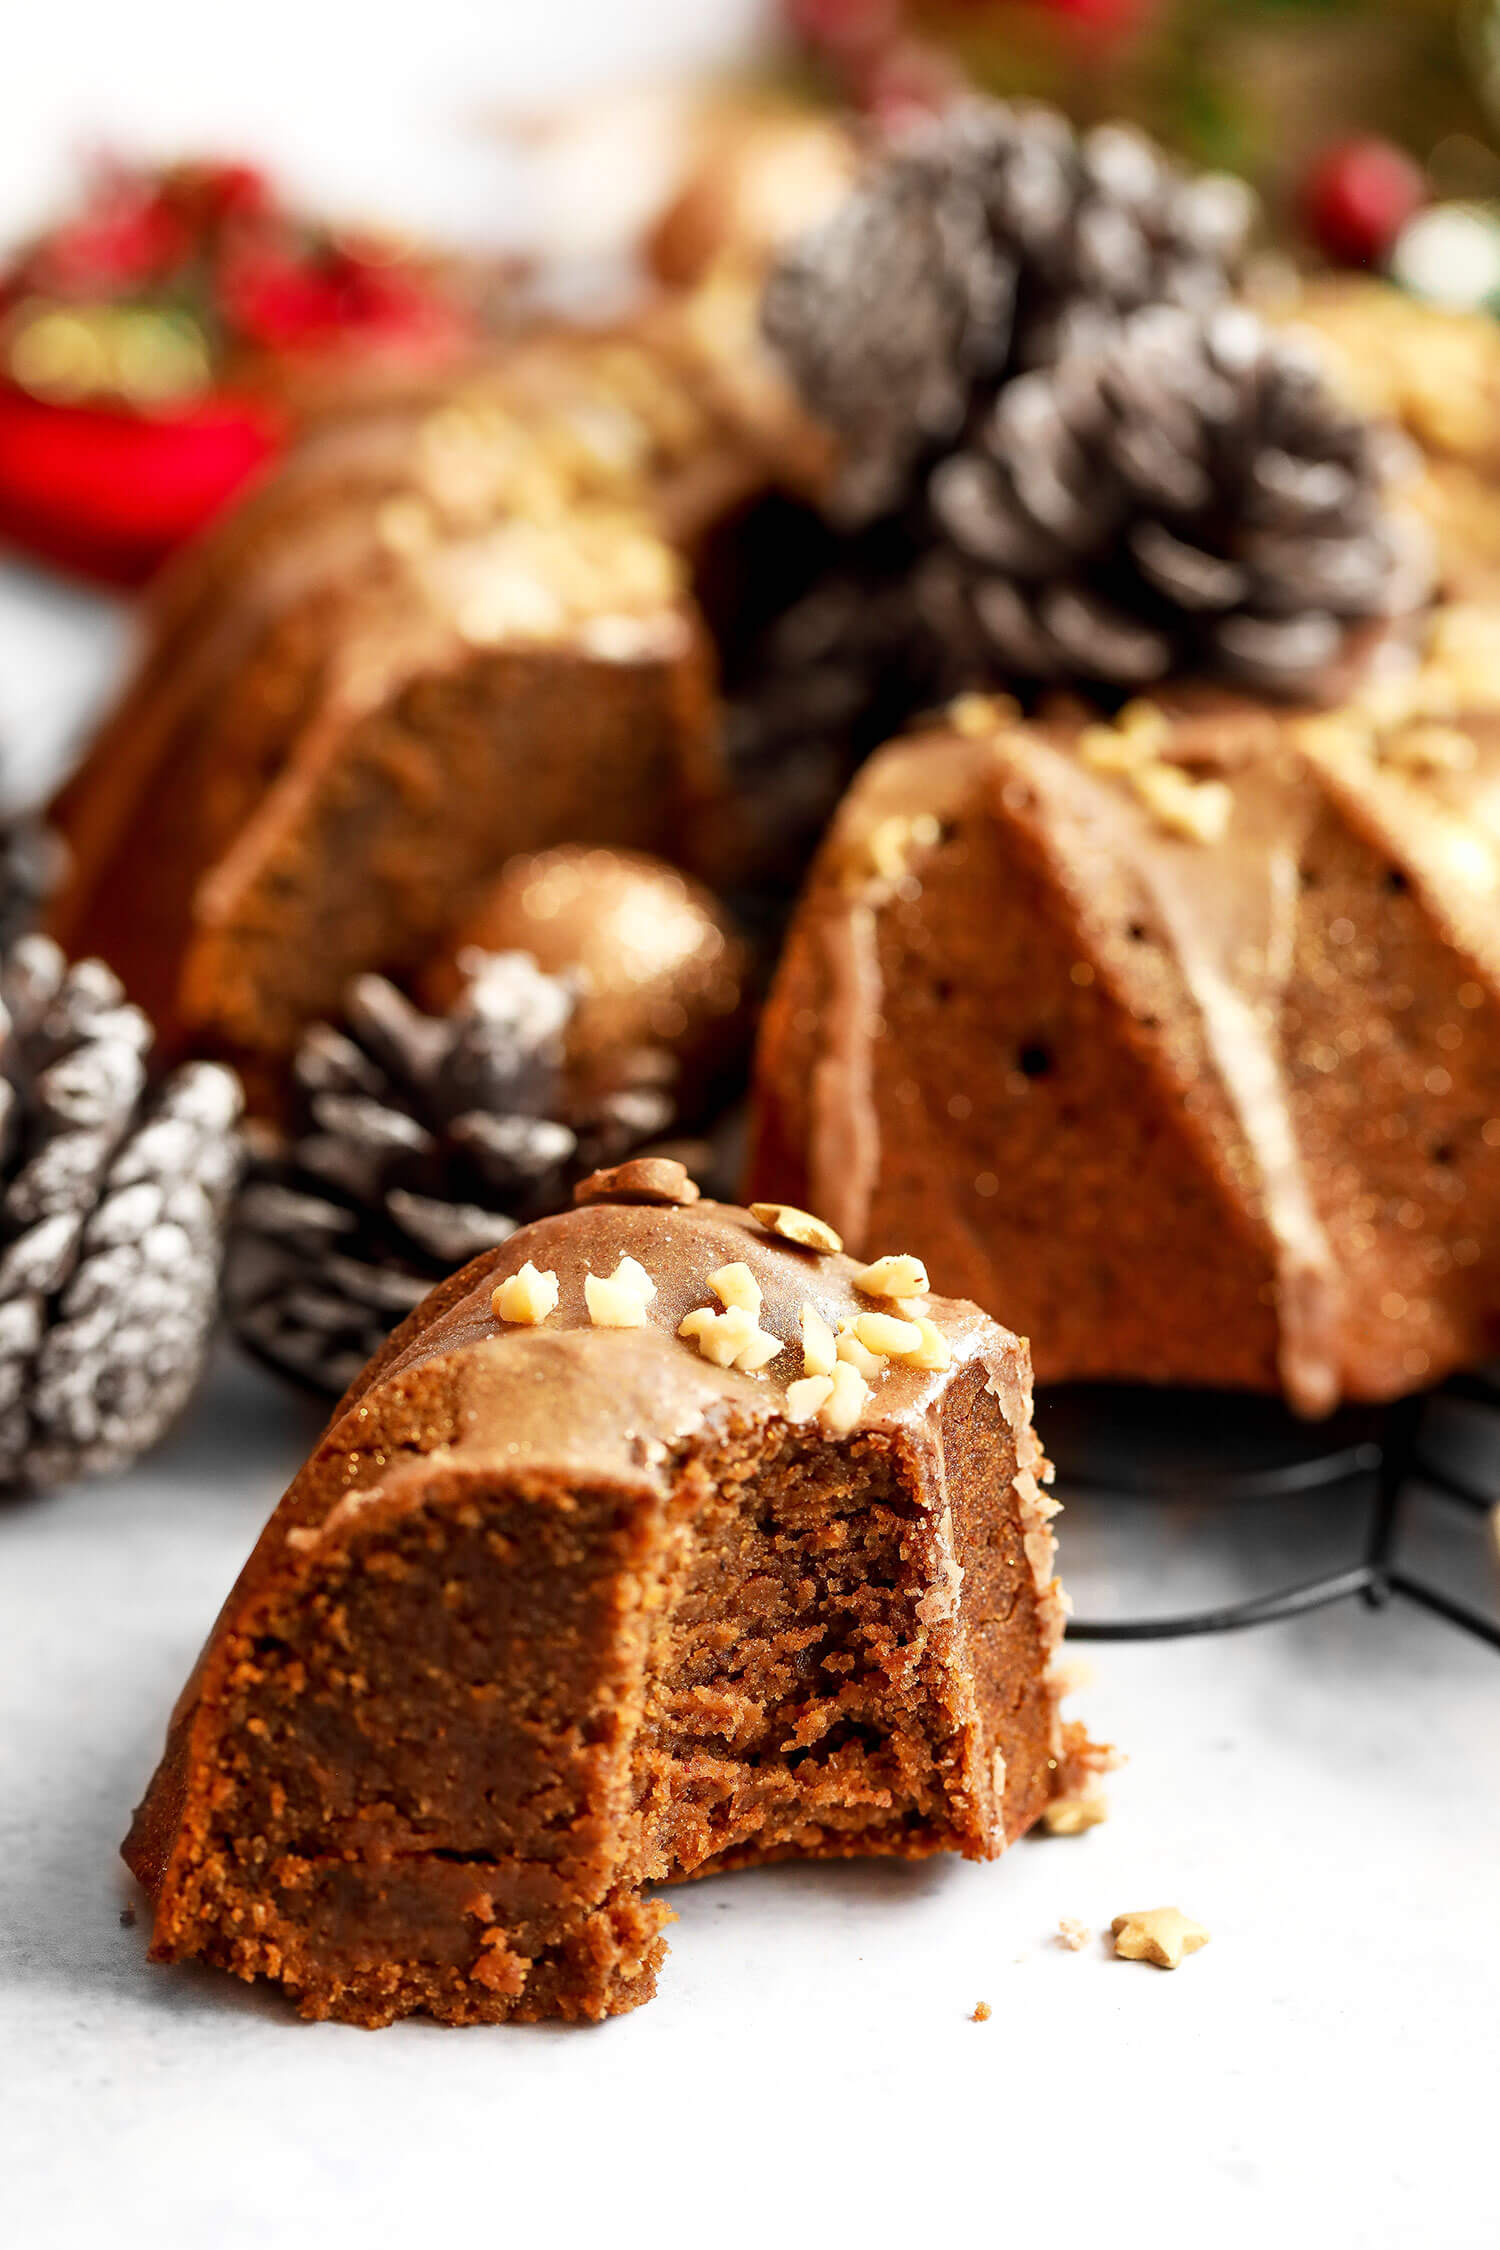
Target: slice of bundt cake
445	631
1179	1036
662	1540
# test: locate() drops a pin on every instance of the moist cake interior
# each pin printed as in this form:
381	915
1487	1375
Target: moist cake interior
734	1666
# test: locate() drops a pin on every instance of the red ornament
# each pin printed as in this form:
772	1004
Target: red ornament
109	492
1358	197
145	344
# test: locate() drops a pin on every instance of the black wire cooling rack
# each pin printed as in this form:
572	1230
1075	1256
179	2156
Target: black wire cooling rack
1173	1447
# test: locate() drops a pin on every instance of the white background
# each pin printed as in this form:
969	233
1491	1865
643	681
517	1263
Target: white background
1324	1796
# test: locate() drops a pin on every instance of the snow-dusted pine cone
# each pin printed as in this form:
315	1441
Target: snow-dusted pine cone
421	1141
984	242
1187	493
111	1220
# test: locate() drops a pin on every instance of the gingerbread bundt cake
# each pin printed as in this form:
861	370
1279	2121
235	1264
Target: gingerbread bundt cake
1179	1036
661	1540
446	630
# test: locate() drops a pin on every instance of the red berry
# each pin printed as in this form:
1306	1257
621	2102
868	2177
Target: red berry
1358	197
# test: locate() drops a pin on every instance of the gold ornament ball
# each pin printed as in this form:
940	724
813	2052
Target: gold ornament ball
658	964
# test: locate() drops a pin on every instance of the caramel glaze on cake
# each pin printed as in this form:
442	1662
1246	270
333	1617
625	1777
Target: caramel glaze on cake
558	1612
446	630
1180	1037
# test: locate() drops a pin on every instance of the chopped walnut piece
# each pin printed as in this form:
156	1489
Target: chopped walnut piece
1073	1936
819	1348
798	1226
1428	747
737	1285
527	1297
933	1353
808	1397
850	1352
620	1300
893	1277
1071	1815
730	1338
1199	810
1141	731
886	1336
846	1400
1161	1934
981	715
645	1179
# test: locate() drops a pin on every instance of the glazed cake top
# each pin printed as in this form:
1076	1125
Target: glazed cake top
560	1387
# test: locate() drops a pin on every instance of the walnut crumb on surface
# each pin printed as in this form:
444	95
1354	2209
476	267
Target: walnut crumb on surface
982	2012
893	1277
980	715
1163	1935
850	1352
732	1338
807	1397
619	1300
527	1297
1071	1815
819	1346
1073	1936
801	1227
887	1336
737	1286
846	1400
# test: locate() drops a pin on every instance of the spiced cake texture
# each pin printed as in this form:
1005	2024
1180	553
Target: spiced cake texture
447	630
1179	1036
560	1611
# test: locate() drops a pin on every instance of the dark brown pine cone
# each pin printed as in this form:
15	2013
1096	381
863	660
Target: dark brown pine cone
111	1220
819	687
985	242
421	1140
31	863
1187	493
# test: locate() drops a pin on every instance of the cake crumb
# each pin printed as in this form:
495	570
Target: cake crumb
1073	1936
527	1297
982	2012
798	1226
1163	1935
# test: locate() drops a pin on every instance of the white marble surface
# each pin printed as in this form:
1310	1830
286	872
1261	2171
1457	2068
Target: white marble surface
1325	1796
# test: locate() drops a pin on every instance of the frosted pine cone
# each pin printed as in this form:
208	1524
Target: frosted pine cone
985	242
111	1221
421	1140
1188	493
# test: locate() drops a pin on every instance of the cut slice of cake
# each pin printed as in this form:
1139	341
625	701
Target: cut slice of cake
662	1540
444	632
1178	1037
